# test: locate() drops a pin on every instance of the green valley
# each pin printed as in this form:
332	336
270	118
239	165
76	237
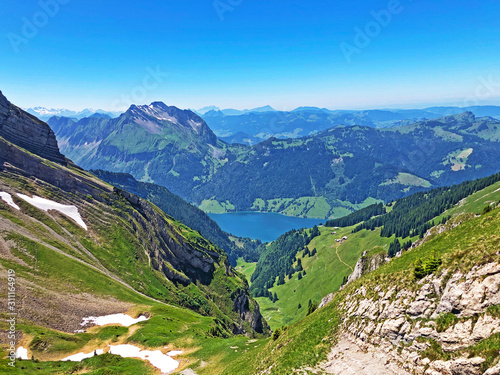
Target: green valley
333	262
466	244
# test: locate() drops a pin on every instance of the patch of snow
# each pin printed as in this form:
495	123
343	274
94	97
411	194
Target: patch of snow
173	353
156	357
81	356
22	353
46	204
7	198
121	319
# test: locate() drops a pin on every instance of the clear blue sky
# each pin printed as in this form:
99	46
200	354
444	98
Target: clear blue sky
283	53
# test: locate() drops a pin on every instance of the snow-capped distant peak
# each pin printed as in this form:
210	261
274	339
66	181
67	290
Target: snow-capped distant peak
45	113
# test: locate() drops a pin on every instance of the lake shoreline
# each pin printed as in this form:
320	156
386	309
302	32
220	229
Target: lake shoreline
265	226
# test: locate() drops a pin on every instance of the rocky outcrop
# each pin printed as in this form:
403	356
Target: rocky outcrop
179	261
241	305
26	131
405	323
188	262
367	263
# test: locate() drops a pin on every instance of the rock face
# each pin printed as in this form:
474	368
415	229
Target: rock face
179	261
393	319
367	263
241	305
185	121
28	132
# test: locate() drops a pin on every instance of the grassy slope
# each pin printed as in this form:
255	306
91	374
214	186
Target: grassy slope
246	269
307	342
170	326
324	273
47	252
477	201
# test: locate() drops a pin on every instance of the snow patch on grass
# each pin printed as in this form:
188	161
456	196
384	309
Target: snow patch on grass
22	353
7	198
81	356
156	358
161	361
46	204
121	319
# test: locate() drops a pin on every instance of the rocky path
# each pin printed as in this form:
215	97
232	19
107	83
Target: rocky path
347	358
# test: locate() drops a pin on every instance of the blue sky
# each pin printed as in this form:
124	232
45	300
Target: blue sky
101	54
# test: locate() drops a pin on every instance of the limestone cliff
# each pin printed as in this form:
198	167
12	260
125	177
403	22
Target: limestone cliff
26	131
405	323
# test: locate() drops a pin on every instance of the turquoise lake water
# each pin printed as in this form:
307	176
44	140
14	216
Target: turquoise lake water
265	226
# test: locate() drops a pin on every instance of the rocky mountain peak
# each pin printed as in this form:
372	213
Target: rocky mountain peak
155	116
26	131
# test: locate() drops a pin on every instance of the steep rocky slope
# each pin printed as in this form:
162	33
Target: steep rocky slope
445	323
27	131
186	213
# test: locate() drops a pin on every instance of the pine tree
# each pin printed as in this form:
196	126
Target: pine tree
281	279
394	248
311	307
344	281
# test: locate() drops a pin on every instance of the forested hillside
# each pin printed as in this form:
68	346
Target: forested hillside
277	260
412	216
330	258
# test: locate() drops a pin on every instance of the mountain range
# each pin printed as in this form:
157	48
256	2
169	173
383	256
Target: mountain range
324	175
407	287
234	112
80	247
253	127
45	113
